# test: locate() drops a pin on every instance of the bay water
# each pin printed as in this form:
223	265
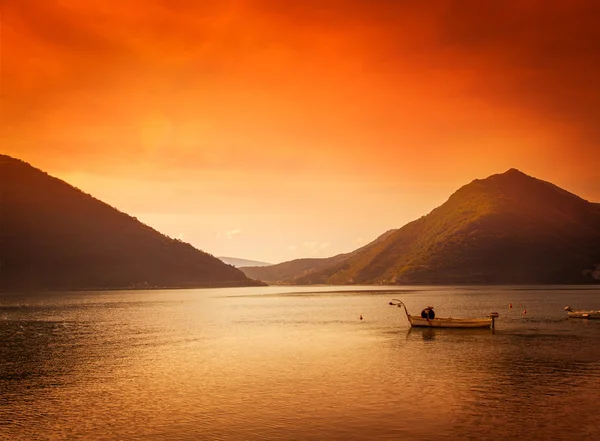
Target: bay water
298	363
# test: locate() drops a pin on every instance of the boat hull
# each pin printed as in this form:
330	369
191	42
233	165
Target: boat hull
584	314
419	322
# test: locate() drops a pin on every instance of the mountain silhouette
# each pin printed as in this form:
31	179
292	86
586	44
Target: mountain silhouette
509	228
56	237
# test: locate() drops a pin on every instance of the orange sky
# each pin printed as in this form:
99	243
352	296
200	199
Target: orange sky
273	129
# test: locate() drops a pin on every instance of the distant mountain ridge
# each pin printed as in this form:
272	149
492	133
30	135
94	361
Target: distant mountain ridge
291	271
507	228
237	262
55	237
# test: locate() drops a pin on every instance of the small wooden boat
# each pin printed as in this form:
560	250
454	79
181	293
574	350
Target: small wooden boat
582	314
429	320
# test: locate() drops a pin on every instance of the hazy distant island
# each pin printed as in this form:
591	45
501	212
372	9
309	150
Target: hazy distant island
55	237
507	229
240	263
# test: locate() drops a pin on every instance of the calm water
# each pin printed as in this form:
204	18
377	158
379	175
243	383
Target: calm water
297	363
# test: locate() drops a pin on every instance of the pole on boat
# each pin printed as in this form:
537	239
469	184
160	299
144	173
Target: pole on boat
399	304
494	316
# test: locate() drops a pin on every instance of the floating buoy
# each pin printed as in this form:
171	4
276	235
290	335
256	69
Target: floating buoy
524	311
361	317
510	306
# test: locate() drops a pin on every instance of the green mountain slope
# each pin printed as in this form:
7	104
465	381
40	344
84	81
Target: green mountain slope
508	228
53	236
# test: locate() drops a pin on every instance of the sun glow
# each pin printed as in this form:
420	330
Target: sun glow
308	112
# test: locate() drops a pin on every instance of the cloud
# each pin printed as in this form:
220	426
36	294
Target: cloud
540	55
359	241
283	85
314	247
230	234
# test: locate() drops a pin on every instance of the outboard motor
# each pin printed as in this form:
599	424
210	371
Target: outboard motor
428	313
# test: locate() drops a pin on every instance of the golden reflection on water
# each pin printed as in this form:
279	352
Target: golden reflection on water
235	364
